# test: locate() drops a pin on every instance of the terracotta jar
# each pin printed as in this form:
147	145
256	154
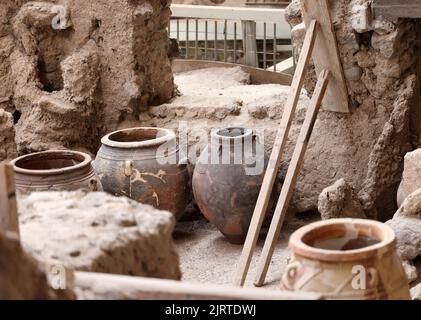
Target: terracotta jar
346	259
143	164
226	184
55	170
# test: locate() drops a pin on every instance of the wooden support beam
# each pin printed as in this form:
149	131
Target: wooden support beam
268	15
276	156
397	8
291	178
9	221
286	66
258	76
326	55
107	286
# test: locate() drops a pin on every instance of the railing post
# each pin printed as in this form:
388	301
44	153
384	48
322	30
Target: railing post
250	43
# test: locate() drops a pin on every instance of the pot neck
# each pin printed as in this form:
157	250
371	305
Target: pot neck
386	240
231	136
164	136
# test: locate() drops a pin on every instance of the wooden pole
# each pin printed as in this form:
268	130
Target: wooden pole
291	177
276	156
8	208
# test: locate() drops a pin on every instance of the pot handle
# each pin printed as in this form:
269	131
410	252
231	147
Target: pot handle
290	273
374	277
93	185
183	162
128	168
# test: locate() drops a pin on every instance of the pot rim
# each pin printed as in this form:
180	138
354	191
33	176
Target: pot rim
216	136
168	136
87	160
384	245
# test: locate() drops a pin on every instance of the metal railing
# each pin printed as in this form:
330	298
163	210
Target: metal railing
258	37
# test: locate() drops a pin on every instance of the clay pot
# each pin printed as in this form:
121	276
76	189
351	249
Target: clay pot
226	191
55	170
346	259
143	164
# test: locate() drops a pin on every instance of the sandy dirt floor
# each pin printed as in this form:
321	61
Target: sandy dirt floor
206	257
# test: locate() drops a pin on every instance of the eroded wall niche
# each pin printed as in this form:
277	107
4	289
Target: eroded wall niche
67	85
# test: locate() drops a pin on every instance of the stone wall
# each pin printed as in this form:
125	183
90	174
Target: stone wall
67	85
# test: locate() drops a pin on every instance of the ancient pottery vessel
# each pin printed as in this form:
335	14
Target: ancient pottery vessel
55	170
143	164
227	180
346	259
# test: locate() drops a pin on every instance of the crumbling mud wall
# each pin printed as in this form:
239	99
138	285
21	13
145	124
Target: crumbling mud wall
7	136
367	146
70	74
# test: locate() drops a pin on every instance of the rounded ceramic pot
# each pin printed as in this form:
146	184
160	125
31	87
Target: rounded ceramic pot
346	259
227	180
142	164
54	170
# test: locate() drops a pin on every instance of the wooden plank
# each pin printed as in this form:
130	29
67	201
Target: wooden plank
268	15
397	8
8	208
326	55
258	76
275	158
284	66
291	178
107	286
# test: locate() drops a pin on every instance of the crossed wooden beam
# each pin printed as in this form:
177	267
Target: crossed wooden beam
320	44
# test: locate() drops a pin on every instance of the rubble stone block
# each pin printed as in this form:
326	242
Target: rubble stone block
416	292
339	201
407	226
411	179
99	233
361	18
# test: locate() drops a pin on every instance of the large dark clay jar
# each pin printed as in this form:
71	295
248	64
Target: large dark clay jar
143	164
55	170
227	181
